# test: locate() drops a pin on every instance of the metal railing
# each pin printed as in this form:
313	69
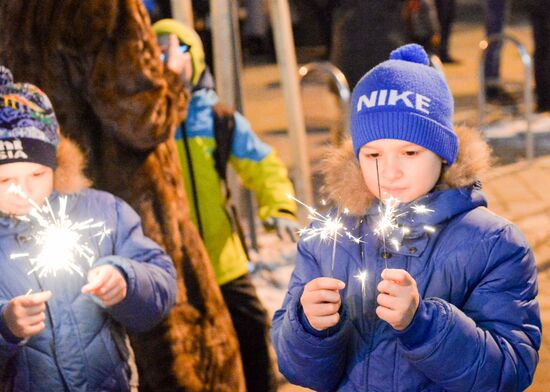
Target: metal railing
344	94
527	86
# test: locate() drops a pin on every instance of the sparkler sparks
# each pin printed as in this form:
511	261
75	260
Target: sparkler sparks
387	224
331	228
362	278
61	240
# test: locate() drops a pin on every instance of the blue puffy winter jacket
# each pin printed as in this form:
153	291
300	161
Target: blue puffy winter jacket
477	327
83	346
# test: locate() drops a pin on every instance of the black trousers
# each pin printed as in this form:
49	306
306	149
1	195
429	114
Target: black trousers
540	16
446	16
252	326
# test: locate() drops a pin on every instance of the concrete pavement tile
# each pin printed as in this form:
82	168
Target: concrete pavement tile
537	179
542	258
535	228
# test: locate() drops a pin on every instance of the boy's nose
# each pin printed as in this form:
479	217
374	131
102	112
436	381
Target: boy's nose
391	170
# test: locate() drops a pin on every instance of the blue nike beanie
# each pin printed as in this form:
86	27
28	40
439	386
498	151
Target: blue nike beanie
404	98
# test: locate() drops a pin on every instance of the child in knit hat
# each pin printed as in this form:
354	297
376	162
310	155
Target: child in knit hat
63	330
427	290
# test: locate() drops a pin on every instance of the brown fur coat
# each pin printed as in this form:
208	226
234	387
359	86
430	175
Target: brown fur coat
98	62
344	180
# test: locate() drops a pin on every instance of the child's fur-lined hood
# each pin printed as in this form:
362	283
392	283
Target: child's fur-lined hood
69	174
344	185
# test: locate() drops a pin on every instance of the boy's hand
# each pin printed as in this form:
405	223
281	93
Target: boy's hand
107	283
398	298
24	315
321	302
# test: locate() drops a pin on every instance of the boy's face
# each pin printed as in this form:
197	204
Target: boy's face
35	180
406	170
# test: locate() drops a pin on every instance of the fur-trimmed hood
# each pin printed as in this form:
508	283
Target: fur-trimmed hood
69	175
344	185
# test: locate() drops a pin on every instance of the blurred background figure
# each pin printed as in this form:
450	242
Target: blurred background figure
256	29
363	35
446	11
496	14
423	25
211	137
540	18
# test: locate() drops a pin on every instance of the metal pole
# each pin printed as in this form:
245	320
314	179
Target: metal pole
527	89
182	11
343	94
227	53
286	59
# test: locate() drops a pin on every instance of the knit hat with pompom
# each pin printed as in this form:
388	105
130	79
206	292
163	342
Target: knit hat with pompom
28	126
404	98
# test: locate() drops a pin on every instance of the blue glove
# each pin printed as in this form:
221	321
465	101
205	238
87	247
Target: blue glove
283	225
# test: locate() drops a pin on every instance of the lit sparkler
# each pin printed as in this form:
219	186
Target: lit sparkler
331	228
62	245
362	278
389	213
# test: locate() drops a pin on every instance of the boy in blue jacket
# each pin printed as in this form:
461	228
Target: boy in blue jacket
443	297
64	331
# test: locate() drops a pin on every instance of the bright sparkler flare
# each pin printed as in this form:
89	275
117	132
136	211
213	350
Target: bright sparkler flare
362	278
388	217
331	227
421	209
61	241
388	220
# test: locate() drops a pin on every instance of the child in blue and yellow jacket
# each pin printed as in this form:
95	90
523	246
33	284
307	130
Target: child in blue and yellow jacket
260	170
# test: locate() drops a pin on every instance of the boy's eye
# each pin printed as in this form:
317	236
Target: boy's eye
411	153
38	174
4	180
372	155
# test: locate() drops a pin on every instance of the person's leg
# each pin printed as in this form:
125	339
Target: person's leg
445	16
495	18
541	34
252	327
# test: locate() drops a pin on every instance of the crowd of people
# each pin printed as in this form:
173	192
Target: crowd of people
108	117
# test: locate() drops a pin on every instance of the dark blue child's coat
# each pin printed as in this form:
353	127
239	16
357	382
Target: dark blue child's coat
477	328
82	347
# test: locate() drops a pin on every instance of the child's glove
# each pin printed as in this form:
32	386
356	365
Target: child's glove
398	298
283	225
321	302
24	315
107	283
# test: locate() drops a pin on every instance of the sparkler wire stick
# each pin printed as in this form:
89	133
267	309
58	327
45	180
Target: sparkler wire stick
334	246
384	254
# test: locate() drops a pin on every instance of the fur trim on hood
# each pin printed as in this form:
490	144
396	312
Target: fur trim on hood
344	185
69	174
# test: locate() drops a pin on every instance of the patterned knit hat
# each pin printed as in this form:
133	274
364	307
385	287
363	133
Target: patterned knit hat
404	98
28	127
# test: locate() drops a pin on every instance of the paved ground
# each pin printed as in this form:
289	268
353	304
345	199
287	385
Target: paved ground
519	191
